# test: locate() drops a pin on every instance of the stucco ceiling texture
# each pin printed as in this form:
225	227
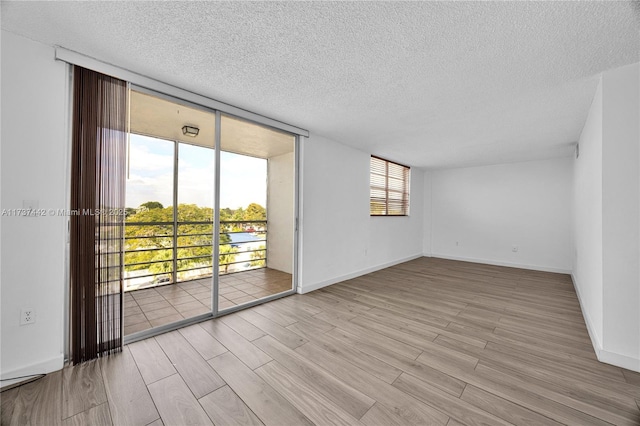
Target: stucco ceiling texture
429	84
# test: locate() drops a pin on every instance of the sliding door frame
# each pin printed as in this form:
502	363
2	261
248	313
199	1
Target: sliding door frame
215	276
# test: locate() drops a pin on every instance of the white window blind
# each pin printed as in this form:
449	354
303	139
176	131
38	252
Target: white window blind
389	188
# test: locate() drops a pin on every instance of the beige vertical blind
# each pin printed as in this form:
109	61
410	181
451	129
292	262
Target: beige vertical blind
389	188
97	229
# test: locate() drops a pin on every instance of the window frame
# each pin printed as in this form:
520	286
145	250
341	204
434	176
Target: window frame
404	177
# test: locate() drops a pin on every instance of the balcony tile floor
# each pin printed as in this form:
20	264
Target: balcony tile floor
152	307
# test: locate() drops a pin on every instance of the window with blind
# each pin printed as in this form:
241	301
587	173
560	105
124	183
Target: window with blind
389	188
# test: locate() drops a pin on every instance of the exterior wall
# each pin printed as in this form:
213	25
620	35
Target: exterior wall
280	212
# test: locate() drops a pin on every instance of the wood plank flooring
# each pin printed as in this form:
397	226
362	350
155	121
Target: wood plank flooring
427	342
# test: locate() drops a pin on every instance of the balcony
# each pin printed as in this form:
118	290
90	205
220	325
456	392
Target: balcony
160	253
168	270
152	307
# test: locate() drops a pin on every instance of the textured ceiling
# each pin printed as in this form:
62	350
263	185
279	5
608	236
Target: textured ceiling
429	84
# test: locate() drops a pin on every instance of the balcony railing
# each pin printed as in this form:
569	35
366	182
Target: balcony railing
158	253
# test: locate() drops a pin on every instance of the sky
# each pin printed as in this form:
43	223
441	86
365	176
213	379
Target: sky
150	175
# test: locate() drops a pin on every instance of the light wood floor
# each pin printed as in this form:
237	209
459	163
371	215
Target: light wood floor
425	342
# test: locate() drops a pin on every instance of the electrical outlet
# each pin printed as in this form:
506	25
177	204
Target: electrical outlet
27	316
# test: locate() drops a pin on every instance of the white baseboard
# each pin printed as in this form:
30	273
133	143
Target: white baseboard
311	287
618	360
595	339
502	263
603	355
43	367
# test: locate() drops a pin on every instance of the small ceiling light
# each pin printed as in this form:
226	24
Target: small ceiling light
190	131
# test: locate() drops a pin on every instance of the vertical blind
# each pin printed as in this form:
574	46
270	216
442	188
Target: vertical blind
389	188
99	138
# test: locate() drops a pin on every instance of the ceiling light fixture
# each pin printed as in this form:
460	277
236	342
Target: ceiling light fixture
190	131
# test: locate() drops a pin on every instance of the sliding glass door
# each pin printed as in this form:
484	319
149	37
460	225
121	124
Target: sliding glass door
199	241
257	211
169	234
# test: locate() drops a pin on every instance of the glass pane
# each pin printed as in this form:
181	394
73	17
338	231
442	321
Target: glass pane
194	239
256	212
196	179
149	224
168	252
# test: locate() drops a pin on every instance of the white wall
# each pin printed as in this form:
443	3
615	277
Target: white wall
280	212
620	199
587	221
607	217
339	238
480	213
34	164
427	221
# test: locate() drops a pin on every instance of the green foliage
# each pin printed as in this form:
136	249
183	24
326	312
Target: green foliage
129	211
162	267
140	237
255	212
193	213
258	257
227	256
226	214
150	246
152	205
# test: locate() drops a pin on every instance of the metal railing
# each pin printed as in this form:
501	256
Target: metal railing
158	253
